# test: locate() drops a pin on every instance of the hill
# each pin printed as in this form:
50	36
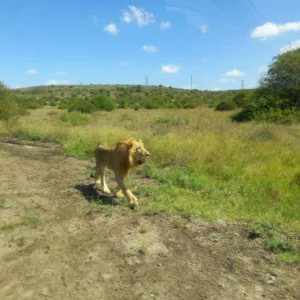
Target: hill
123	96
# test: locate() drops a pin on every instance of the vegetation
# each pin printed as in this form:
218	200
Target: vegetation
226	105
196	166
75	118
89	98
8	106
278	97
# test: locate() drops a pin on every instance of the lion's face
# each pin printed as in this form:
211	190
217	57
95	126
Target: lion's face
138	152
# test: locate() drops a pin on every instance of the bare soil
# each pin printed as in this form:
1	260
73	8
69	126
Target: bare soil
50	248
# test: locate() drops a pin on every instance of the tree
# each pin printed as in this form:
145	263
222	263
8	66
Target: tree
240	98
225	105
278	97
283	78
102	102
8	106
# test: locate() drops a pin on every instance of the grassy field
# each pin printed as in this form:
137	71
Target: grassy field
205	164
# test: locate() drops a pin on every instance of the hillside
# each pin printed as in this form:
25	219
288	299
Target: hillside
124	96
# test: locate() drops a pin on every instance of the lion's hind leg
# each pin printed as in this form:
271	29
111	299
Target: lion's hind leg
100	178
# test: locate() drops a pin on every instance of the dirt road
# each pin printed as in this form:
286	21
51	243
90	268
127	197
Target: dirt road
50	248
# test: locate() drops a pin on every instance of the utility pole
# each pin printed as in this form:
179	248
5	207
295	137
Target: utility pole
242	84
191	81
146	79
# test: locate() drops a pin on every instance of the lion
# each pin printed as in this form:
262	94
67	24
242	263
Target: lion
124	156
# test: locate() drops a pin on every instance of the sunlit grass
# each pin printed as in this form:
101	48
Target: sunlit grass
205	164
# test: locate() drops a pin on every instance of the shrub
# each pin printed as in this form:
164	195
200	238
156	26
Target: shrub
82	106
278	97
8	106
240	98
226	105
31	105
102	102
75	118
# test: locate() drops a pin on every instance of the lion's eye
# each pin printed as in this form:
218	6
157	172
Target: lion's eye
138	149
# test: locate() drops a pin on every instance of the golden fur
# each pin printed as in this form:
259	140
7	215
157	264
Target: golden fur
120	159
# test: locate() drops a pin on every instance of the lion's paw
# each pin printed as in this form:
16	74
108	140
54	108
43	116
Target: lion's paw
106	190
120	194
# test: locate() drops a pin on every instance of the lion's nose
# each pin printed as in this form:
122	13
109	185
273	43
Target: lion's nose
147	154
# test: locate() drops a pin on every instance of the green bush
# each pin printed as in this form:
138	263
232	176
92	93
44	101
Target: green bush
278	97
226	105
103	102
64	105
82	106
75	118
8	106
31	105
240	98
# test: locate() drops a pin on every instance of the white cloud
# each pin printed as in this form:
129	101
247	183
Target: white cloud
149	49
61	73
127	17
124	64
216	89
271	29
188	87
292	46
56	82
32	72
165	25
138	15
170	69
203	28
235	72
112	28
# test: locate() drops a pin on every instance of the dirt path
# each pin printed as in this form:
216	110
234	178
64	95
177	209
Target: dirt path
50	248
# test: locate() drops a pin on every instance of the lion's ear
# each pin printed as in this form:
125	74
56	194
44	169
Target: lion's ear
129	145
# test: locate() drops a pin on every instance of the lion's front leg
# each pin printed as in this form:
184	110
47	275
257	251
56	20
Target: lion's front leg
131	198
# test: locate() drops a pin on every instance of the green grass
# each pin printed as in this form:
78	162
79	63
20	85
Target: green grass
25	221
276	246
75	118
143	229
201	164
178	221
3	205
287	257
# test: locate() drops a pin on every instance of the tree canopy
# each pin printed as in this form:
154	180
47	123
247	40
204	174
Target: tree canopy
278	97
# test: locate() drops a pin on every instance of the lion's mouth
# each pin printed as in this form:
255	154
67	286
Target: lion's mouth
140	162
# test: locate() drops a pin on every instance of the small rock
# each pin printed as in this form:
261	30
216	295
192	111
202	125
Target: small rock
259	289
106	276
132	260
271	280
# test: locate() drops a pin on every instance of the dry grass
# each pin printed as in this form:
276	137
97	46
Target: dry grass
207	164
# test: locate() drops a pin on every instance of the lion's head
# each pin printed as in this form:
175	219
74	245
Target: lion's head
137	153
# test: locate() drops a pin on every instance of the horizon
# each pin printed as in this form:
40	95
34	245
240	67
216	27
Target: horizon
224	46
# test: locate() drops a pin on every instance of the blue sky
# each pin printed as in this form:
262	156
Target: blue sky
219	42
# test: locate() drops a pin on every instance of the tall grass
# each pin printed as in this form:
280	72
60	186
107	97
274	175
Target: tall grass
205	164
